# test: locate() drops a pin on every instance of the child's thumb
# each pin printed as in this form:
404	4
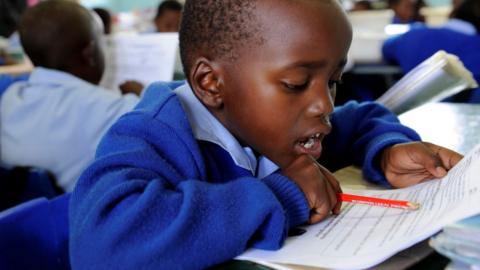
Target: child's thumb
433	164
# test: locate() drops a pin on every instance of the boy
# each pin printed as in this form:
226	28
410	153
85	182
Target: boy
406	11
193	177
56	118
168	16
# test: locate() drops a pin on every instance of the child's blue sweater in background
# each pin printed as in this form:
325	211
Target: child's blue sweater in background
156	198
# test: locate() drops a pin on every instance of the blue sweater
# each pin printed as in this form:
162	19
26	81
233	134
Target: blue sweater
415	46
156	198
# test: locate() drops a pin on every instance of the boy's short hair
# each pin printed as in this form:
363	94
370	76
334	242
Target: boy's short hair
52	31
106	18
218	27
168	5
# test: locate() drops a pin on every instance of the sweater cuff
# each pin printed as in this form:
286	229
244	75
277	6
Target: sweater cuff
371	166
291	197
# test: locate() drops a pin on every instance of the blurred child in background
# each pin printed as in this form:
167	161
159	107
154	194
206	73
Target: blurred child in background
168	16
56	118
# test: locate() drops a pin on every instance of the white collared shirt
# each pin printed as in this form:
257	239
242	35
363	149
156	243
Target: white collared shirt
461	26
55	120
207	128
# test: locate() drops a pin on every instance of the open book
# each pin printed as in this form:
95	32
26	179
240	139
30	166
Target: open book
440	76
362	235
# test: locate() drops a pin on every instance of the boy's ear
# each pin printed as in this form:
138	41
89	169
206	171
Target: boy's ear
88	54
205	80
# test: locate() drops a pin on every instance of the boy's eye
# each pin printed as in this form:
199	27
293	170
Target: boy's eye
332	83
296	86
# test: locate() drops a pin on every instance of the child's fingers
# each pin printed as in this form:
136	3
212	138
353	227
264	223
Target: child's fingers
431	161
320	212
335	189
448	157
323	204
434	166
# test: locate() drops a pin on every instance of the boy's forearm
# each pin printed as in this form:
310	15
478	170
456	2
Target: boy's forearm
360	132
173	228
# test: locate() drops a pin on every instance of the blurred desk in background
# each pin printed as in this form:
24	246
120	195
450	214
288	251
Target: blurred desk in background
452	125
372	27
17	69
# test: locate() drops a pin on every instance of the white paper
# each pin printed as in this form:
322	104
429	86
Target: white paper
440	76
362	236
145	58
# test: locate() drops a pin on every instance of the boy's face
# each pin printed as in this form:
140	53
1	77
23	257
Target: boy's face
405	10
277	97
169	21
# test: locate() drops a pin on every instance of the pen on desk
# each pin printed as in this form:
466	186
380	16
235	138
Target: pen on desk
377	201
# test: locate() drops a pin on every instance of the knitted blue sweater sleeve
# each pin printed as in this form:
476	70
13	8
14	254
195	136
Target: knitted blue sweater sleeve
360	133
145	203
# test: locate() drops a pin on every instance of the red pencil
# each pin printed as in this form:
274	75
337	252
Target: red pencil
377	201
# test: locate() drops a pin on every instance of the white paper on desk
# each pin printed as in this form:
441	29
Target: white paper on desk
362	236
145	58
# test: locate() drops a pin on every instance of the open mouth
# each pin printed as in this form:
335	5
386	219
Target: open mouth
312	145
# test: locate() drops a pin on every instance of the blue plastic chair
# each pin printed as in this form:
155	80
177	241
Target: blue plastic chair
34	235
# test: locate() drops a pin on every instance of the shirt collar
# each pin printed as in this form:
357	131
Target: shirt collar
49	76
207	128
461	26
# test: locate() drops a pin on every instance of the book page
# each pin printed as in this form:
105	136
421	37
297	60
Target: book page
145	58
440	76
363	235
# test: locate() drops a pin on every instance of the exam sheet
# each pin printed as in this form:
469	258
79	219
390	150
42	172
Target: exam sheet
363	235
145	58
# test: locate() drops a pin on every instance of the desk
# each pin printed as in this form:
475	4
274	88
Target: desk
452	125
17	69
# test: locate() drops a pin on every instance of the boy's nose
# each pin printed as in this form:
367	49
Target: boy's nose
320	102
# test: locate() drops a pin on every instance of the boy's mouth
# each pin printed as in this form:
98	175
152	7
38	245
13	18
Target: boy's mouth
311	146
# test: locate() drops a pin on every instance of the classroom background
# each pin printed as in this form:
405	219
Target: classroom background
439	99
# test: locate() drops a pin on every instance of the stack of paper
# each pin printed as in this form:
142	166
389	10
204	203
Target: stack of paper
364	235
460	242
440	76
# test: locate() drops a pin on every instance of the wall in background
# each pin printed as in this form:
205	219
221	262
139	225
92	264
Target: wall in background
438	2
129	5
122	5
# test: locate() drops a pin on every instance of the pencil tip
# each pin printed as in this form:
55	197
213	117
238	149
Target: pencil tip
413	206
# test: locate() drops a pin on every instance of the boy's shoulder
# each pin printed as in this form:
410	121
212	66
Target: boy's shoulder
159	103
159	97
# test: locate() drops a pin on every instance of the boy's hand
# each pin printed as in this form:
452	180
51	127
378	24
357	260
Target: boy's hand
133	87
407	164
318	184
